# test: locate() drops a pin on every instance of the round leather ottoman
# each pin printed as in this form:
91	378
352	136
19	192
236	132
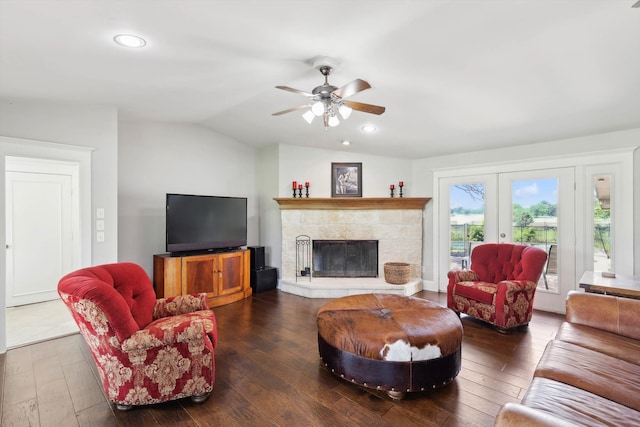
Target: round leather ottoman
390	342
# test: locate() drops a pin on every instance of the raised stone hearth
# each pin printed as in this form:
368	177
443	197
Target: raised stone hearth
395	223
334	287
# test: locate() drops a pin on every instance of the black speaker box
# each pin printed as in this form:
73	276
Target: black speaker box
257	257
264	280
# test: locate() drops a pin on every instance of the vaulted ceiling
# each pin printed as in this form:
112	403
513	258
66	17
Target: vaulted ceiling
454	75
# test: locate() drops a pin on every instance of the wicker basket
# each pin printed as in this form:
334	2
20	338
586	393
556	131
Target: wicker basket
397	273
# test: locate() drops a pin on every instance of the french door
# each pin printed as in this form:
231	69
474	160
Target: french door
533	207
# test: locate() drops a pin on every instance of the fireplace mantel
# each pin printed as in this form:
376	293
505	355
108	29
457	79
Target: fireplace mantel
314	203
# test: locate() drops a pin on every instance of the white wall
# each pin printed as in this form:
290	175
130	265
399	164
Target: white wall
314	165
72	124
423	172
160	158
279	165
267	167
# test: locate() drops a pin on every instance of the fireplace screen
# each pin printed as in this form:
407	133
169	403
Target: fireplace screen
345	258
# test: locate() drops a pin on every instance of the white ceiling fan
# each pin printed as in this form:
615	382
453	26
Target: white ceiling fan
327	101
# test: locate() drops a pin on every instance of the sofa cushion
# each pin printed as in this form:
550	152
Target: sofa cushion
598	373
601	341
577	406
612	314
478	291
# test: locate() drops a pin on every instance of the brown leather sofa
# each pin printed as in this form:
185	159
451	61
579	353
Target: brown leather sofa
590	373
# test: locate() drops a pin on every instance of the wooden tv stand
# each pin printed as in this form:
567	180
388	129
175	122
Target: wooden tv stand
224	276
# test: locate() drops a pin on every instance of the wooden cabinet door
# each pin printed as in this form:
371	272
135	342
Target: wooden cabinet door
231	271
167	276
199	274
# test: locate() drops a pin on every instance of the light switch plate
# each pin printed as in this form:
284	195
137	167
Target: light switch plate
100	225
100	213
100	236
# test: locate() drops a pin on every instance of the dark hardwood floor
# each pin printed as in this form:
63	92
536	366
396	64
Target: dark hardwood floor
268	374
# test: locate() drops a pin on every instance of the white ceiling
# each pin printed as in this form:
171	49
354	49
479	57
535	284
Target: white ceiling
454	75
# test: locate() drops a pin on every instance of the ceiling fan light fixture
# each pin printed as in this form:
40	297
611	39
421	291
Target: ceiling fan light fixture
328	101
318	108
308	116
345	111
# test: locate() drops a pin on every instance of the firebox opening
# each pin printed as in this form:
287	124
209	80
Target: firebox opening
345	258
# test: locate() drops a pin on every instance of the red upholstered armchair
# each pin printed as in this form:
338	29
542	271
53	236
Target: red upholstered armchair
146	350
500	286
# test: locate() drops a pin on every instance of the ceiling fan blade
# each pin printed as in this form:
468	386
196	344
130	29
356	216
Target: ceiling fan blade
288	110
290	89
367	108
351	88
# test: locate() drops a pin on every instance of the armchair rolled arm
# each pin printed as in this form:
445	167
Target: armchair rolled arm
166	333
180	304
462	276
605	312
515	414
517	285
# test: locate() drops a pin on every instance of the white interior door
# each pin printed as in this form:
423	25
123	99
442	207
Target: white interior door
40	228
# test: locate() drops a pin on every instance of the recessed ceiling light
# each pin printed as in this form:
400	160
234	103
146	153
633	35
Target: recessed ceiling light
345	142
369	128
129	40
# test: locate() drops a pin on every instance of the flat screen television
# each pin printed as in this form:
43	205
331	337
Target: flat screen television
205	223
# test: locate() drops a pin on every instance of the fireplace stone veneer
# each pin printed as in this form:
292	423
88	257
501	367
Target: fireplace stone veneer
395	223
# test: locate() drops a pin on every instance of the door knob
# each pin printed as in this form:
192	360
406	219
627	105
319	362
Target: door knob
503	235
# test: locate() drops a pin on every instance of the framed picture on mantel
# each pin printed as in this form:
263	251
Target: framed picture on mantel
346	179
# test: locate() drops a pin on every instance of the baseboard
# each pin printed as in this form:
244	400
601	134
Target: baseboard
429	285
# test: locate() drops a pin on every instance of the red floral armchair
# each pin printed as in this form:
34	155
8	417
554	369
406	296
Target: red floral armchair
500	286
146	350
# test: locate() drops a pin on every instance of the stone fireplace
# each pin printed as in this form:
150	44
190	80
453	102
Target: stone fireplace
395	223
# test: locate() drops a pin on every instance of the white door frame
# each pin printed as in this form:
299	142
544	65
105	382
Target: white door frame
44	150
623	190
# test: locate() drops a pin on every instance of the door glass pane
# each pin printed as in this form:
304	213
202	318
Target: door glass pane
466	222
535	221
602	223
